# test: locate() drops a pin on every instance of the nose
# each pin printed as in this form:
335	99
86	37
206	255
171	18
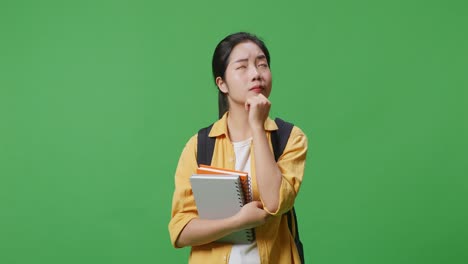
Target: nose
255	73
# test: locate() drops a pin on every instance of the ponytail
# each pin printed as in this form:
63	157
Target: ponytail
223	104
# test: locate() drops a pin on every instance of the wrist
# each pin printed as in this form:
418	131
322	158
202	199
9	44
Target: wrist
235	223
257	127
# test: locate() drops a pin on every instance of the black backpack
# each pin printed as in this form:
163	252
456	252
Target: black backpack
279	138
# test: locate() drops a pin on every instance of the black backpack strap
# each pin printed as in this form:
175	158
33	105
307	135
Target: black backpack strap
291	214
205	146
279	139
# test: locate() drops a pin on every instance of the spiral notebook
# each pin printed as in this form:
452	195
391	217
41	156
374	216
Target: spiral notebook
220	196
244	177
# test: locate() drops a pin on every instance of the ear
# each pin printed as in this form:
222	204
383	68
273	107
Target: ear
221	85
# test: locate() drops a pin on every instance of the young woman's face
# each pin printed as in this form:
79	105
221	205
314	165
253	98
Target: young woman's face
247	73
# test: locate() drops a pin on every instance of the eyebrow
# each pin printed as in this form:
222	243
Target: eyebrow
259	57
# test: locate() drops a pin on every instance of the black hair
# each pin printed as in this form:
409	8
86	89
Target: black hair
221	57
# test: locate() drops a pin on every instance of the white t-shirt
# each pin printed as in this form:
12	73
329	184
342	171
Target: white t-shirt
244	253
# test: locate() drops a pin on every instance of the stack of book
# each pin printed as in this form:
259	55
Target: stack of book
220	193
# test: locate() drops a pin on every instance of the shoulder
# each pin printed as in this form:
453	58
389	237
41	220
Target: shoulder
297	138
296	146
191	145
295	131
193	140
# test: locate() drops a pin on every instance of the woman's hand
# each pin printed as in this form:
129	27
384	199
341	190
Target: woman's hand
258	107
251	215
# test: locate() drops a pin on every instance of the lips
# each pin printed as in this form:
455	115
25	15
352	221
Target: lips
256	89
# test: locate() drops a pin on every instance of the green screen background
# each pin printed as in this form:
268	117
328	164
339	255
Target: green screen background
98	98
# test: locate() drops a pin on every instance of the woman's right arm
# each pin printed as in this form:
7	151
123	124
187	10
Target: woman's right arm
202	231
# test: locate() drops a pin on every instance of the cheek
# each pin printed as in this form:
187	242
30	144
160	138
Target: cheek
268	82
235	79
267	77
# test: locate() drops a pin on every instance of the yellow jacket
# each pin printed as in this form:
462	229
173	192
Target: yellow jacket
274	240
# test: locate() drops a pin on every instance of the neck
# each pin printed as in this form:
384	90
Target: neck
238	123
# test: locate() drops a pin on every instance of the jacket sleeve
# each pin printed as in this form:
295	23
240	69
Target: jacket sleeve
183	202
291	164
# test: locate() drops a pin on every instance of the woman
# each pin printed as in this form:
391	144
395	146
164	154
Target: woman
241	71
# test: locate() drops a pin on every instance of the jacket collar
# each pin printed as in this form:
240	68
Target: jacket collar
220	127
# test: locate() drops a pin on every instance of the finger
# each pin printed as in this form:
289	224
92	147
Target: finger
261	101
250	101
263	98
265	101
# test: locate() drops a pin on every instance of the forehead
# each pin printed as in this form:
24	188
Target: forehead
245	50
